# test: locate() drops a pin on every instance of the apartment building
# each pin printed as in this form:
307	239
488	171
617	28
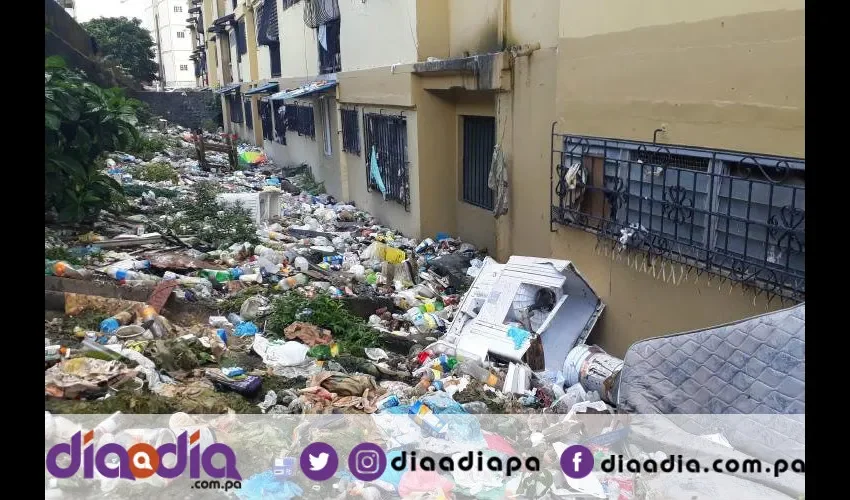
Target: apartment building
167	22
659	145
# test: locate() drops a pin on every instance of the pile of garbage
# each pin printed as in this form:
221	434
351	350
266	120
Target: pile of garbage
298	290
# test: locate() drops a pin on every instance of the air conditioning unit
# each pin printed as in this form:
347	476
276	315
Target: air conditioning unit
263	205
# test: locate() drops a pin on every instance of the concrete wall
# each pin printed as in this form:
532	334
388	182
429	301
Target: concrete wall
189	109
298	50
377	33
738	84
474	27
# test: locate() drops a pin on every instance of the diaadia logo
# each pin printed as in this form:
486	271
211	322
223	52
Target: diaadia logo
141	460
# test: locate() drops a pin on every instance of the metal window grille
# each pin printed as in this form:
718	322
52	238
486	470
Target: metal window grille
289	3
299	118
234	103
738	215
479	139
274	56
241	38
350	131
388	135
267	27
279	122
249	117
330	59
265	110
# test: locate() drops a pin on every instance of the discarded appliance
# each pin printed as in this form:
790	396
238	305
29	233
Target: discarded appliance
263	205
509	305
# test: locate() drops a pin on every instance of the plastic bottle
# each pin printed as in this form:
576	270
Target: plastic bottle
109	325
478	372
292	282
217	275
269	254
444	363
131	264
54	353
149	316
301	264
475	407
124	274
64	270
265	233
234	319
251	278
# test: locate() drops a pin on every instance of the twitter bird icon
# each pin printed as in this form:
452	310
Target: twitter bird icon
319	461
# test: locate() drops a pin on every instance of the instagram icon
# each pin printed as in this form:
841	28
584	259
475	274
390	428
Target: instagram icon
367	461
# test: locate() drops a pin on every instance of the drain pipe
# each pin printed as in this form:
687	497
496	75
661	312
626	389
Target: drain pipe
524	50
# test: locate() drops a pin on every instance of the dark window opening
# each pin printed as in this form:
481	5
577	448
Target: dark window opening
268	33
387	135
241	38
330	60
299	118
265	110
274	56
479	139
249	117
350	131
234	102
279	122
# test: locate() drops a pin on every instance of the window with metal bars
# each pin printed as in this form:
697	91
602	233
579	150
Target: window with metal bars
299	118
479	139
350	131
268	34
386	136
234	105
330	60
740	215
278	119
265	110
249	116
241	38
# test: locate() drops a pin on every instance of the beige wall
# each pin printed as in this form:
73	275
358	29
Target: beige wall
432	29
639	306
299	53
264	67
530	21
377	33
473	26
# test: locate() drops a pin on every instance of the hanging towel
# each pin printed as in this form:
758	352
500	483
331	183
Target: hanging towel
376	174
498	182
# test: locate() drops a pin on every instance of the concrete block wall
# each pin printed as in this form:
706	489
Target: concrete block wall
189	108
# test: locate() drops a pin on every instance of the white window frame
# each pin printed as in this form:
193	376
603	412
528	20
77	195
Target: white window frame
325	110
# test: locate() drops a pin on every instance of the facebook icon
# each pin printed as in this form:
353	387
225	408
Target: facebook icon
576	461
284	466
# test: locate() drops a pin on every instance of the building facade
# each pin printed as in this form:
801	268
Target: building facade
167	22
658	145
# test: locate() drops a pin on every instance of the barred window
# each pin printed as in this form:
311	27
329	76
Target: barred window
265	111
278	111
241	38
249	116
740	215
299	118
350	131
479	139
386	135
234	105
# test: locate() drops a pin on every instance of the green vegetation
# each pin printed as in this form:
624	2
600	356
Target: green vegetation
350	332
155	172
150	145
81	121
200	214
310	185
136	190
125	42
61	253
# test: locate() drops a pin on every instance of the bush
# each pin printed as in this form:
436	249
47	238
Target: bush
81	121
150	145
200	214
156	172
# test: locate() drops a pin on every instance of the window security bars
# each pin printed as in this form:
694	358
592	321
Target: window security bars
265	110
299	118
388	135
279	122
350	131
249	116
234	103
479	139
737	215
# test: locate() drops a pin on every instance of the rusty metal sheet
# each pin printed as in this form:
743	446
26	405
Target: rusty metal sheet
161	293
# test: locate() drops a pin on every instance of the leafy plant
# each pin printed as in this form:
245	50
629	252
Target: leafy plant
127	43
149	145
351	332
219	225
81	121
156	172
